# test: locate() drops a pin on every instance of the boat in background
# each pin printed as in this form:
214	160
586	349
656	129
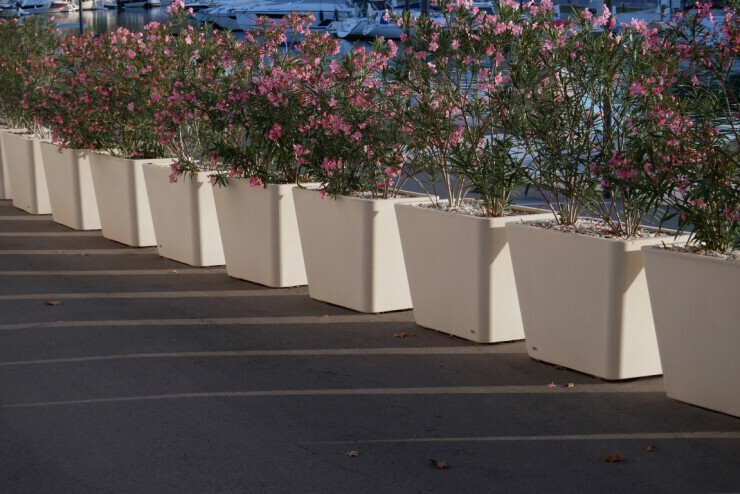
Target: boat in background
9	8
370	19
658	15
324	13
139	4
223	15
69	7
198	5
92	4
29	7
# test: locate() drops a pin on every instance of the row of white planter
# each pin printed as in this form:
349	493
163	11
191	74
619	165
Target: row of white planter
581	302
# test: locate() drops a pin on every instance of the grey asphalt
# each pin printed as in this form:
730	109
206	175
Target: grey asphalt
123	372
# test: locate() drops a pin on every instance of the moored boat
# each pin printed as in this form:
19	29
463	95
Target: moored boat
223	16
28	7
8	8
324	13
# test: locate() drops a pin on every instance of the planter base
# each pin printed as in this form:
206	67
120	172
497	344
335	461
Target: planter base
460	273
584	301
697	320
123	205
184	217
71	189
259	231
352	251
25	168
5	192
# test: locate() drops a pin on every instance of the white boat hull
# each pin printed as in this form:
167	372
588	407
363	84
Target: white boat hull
324	14
349	28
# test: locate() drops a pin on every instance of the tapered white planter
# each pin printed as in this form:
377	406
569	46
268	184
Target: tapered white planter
352	251
122	200
5	192
259	231
25	169
696	307
584	301
70	185
184	216
460	273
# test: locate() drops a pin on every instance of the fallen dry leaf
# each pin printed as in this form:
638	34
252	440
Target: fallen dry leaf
440	464
325	316
400	335
651	448
570	385
52	302
352	454
613	458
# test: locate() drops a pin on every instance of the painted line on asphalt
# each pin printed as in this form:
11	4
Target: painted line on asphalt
51	234
267	320
25	218
649	387
149	295
122	272
320	352
562	437
80	252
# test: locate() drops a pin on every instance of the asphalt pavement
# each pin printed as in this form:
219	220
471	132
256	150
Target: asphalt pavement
123	372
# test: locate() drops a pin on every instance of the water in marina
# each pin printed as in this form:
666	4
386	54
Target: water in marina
103	20
100	21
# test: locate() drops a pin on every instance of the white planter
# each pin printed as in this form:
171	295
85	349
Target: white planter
259	231
71	189
352	251
122	201
584	301
184	216
25	169
5	192
460	273
696	308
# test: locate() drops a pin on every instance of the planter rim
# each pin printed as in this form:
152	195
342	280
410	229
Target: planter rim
526	211
304	185
415	196
201	176
630	241
135	160
61	147
698	258
25	134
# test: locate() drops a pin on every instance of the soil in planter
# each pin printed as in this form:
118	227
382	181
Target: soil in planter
598	228
700	251
473	208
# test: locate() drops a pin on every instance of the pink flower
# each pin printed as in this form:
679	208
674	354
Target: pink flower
637	88
130	107
456	136
255	181
330	166
433	46
175	167
276	132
